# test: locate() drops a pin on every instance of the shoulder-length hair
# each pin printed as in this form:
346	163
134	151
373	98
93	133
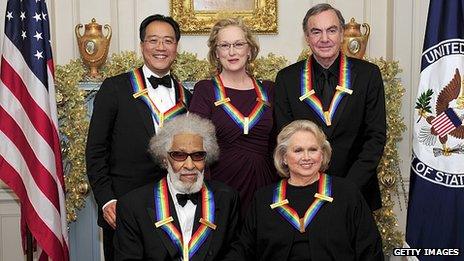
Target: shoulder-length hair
250	39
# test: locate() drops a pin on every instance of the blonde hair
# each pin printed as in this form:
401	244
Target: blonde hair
250	39
284	138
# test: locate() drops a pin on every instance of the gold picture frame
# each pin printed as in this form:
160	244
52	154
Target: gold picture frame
199	16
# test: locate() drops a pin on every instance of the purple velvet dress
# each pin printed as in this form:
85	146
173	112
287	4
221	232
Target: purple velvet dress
245	161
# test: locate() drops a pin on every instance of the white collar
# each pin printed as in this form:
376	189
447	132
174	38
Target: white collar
147	72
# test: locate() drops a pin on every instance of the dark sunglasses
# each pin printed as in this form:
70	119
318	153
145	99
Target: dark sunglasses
182	156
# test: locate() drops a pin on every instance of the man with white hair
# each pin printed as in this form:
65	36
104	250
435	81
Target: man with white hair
180	217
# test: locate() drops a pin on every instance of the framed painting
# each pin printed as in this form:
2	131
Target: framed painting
199	16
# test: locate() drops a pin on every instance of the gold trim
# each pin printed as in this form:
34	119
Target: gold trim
323	197
262	19
164	221
208	224
221	102
278	204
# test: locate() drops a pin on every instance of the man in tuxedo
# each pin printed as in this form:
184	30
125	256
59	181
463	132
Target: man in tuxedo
181	216
344	96
128	110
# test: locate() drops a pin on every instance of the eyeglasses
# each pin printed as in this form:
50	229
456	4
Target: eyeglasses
182	156
226	46
166	41
317	33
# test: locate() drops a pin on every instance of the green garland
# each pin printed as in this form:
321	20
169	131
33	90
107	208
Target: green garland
388	171
72	118
74	124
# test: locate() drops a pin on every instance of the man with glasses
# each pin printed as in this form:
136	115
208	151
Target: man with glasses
344	96
181	216
128	110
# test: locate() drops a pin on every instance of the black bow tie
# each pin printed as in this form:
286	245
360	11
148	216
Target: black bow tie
165	81
182	198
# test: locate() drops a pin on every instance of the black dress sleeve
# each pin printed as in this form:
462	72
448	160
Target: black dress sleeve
244	247
368	243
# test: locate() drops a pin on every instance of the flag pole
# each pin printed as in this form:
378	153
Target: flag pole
29	249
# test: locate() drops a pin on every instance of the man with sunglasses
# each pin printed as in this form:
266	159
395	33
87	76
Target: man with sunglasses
128	110
182	216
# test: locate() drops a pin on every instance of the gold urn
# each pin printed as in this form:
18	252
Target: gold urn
355	42
93	46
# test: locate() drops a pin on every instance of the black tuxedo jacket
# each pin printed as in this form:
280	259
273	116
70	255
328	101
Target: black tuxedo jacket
358	131
117	155
137	238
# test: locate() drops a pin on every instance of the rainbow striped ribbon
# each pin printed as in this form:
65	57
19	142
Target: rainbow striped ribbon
244	122
164	219
282	204
140	91
343	88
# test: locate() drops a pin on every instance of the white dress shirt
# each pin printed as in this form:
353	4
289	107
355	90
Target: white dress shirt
164	98
186	214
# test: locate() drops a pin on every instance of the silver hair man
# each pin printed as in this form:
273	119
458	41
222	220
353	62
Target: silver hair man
184	146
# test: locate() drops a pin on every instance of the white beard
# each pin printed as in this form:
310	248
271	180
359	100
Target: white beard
185	187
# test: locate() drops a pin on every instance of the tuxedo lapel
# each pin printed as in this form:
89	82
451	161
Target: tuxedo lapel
301	107
187	94
168	244
144	111
342	105
200	255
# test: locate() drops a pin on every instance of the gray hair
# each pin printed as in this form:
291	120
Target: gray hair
284	138
319	8
161	143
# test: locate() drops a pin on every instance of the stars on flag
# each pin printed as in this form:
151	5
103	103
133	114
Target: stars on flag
38	35
9	15
24	27
37	17
38	55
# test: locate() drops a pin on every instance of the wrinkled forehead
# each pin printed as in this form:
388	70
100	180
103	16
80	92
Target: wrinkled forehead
323	20
188	142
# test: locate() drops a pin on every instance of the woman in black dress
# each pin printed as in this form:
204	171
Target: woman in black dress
308	215
240	108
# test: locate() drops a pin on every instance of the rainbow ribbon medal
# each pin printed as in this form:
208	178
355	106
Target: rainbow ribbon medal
140	91
244	122
343	88
283	205
164	219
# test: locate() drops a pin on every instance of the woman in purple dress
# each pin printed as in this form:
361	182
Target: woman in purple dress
240	108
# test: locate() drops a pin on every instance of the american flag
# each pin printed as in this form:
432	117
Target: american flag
30	156
446	122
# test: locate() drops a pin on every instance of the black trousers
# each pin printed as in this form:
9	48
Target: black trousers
108	246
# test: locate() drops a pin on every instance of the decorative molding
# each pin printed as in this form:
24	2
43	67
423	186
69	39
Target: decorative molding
7	195
261	19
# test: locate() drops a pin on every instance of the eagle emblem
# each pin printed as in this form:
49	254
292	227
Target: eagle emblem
448	120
